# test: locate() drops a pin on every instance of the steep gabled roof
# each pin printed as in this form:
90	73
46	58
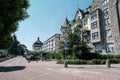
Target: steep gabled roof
79	11
65	23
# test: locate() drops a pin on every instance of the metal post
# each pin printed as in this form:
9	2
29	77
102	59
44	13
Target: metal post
65	63
65	48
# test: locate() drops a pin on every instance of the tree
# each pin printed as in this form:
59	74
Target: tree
11	13
17	48
76	46
6	41
14	48
21	49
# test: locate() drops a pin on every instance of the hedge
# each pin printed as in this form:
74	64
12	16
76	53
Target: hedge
93	61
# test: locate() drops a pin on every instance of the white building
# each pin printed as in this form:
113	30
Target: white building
52	43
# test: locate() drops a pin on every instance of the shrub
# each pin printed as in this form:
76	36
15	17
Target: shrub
60	61
54	56
70	61
103	62
114	61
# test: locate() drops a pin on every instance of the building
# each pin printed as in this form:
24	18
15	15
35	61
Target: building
105	29
100	25
37	45
52	43
70	25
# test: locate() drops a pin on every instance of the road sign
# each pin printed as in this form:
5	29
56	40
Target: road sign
65	45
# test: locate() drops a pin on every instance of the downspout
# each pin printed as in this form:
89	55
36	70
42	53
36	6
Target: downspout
118	14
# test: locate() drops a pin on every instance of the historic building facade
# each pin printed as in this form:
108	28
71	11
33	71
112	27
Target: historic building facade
100	25
37	45
105	29
52	43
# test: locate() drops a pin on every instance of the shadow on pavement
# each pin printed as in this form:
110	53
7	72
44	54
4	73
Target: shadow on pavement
11	68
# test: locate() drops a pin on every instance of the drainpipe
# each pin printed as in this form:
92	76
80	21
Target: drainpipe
118	13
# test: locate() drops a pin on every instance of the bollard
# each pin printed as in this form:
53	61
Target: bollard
108	63
36	60
66	65
28	61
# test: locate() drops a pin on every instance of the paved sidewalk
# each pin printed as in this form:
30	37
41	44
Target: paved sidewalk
19	69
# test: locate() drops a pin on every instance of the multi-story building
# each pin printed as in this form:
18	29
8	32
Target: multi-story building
105	29
52	43
70	25
100	25
37	45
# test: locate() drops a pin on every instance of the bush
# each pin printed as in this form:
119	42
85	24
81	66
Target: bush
103	62
89	56
60	61
114	61
93	61
54	56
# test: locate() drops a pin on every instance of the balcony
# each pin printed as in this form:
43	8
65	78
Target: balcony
85	29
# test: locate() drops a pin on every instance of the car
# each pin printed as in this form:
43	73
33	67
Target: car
31	58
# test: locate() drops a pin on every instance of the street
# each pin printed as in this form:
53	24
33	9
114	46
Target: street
18	68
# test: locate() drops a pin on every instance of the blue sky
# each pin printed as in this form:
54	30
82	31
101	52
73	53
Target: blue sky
46	18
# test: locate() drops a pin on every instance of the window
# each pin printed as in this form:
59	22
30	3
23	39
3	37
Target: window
108	33
106	12
94	25
107	21
94	16
110	47
95	36
98	48
105	2
85	22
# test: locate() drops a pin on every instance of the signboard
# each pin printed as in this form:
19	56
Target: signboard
65	45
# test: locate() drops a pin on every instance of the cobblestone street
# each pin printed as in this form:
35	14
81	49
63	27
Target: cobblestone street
19	69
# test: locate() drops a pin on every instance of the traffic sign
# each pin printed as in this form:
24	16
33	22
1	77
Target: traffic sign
65	45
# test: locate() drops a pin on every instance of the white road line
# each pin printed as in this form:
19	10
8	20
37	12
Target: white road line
115	70
36	77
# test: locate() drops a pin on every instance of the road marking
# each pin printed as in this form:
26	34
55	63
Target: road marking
36	77
115	70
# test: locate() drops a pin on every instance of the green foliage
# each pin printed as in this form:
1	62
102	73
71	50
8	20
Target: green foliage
11	13
54	56
60	61
93	58
6	41
17	48
14	48
93	61
110	56
76	47
36	53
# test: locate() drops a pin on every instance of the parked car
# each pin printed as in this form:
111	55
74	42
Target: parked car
31	58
